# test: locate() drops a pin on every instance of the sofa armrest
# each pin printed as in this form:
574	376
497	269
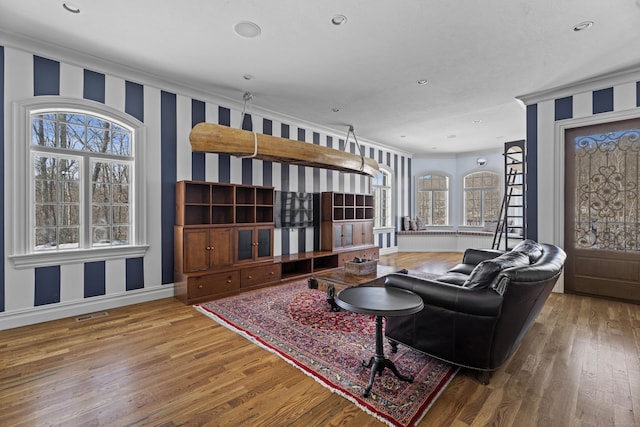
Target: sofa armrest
477	302
476	256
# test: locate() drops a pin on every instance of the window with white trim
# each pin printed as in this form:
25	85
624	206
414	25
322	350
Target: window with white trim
381	185
481	198
432	199
79	179
82	180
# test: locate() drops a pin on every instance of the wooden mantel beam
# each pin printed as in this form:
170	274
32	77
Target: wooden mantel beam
214	138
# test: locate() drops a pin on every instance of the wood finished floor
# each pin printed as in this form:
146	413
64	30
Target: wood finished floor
164	364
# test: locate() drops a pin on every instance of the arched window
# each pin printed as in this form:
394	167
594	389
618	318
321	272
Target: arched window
481	198
381	184
432	199
83	168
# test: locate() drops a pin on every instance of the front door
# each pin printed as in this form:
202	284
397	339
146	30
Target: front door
602	215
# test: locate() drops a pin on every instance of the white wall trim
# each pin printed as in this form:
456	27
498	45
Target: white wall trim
189	89
41	314
43	259
21	235
388	251
617	78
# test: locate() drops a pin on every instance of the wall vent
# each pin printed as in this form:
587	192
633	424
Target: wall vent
91	316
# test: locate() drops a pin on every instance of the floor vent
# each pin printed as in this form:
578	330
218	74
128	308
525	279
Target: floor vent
91	316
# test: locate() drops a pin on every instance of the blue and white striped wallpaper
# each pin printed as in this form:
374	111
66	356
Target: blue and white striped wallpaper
2	234
44	293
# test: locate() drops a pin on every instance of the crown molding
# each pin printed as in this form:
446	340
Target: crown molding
189	89
622	76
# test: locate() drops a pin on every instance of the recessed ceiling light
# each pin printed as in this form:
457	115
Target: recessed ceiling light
422	82
583	26
70	7
339	20
247	29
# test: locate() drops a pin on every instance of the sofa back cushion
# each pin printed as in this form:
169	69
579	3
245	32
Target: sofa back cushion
531	248
484	273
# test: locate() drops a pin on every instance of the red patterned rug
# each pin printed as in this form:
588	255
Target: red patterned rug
296	323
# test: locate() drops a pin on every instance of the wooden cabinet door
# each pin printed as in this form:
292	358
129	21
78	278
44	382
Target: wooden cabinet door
221	244
367	233
254	243
357	234
196	252
338	240
347	234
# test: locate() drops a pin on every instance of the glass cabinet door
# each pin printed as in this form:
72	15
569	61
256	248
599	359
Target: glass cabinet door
337	236
347	229
245	244
264	242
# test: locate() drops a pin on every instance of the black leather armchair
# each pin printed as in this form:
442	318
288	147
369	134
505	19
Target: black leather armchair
476	327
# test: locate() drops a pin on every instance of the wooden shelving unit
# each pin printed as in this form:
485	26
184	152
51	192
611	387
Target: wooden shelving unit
347	207
296	266
223	236
346	221
224	239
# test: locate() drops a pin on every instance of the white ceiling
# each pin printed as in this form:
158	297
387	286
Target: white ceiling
476	55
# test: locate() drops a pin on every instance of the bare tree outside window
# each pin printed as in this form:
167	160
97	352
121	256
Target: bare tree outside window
72	151
381	184
481	198
432	201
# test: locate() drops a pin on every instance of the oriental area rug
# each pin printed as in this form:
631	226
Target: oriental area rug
297	324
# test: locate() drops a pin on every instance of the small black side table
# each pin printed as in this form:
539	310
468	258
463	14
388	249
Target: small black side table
380	302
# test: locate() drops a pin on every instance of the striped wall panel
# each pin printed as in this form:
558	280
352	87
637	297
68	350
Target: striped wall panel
198	115
94	86
46	76
94	279
168	118
168	143
532	172
2	215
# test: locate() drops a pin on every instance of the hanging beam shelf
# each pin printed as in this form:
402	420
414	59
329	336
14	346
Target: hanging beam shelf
213	138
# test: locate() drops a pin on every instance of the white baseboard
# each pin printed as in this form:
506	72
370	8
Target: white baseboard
387	251
559	286
15	319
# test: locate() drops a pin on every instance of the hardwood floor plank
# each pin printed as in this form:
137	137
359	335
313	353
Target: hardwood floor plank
163	363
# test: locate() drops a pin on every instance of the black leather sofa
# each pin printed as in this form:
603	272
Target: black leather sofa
476	314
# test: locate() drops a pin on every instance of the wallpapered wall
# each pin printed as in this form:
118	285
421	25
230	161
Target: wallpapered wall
29	295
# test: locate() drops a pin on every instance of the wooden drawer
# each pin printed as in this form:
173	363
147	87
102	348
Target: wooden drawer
211	284
258	275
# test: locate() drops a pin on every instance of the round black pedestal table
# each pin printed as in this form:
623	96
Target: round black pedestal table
380	302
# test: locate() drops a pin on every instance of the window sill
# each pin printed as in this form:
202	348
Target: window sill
379	230
43	259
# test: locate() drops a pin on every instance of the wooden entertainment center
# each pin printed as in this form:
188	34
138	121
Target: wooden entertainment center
224	239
